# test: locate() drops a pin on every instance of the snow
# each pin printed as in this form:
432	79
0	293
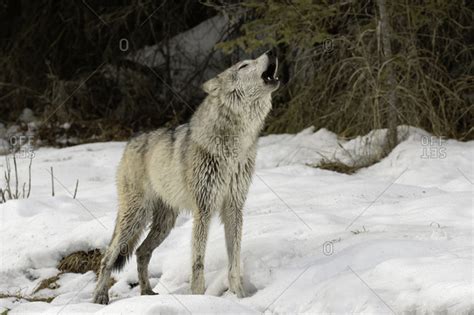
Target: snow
152	305
392	238
27	116
199	41
189	52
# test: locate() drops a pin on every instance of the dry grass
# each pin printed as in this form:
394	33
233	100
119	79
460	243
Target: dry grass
18	296
81	262
343	86
77	262
368	154
339	166
336	166
49	283
355	232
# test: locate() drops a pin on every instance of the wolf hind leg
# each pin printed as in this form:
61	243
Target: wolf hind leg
128	228
164	219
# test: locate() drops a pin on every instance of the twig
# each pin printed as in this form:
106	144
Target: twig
75	190
2	195
52	182
29	177
16	177
8	178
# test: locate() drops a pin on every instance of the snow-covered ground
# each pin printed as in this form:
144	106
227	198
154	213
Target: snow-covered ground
396	237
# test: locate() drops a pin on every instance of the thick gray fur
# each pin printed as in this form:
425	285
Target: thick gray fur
204	166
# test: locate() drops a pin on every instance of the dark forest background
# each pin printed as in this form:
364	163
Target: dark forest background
349	66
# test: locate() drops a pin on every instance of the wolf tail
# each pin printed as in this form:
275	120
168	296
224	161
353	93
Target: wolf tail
125	238
124	255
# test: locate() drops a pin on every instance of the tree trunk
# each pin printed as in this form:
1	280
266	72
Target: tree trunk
391	82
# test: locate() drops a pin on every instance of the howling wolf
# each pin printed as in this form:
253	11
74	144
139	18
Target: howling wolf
204	166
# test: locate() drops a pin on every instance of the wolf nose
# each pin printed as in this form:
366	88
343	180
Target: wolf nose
271	52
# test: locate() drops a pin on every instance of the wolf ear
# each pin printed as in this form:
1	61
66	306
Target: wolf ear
211	86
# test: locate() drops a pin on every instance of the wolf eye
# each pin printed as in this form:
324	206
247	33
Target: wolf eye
243	66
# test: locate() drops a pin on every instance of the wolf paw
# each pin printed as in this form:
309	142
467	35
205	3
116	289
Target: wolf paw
198	287
101	298
238	289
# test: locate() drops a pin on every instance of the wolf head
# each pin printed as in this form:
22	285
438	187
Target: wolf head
247	80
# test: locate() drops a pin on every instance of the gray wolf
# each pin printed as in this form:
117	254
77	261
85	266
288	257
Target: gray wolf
204	166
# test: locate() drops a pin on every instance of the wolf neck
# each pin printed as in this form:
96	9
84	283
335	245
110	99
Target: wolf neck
216	119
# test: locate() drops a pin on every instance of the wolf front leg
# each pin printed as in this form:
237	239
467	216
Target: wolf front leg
207	185
200	232
232	217
233	236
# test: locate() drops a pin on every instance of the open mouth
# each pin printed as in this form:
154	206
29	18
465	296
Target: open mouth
269	75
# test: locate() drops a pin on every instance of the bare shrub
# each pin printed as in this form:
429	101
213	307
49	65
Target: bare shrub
337	73
11	189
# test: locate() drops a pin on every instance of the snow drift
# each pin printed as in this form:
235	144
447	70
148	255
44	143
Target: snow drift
394	237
